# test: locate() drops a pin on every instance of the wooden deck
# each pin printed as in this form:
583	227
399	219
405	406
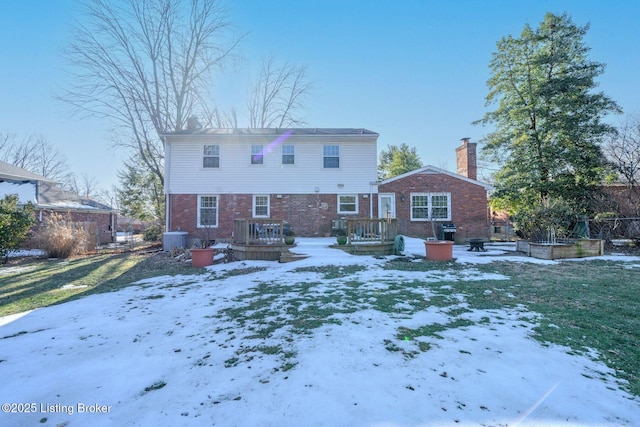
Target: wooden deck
370	236
258	239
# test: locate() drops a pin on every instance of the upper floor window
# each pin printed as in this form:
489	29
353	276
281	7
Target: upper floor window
288	154
261	206
257	155
331	156
211	156
347	204
428	206
207	211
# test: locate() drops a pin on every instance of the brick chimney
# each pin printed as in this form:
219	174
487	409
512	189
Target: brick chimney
466	159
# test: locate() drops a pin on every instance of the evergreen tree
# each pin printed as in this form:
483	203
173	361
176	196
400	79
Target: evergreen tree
15	223
397	160
548	121
140	192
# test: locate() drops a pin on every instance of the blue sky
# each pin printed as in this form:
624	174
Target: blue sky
413	71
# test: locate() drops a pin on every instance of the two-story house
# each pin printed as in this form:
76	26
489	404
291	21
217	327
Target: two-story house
307	177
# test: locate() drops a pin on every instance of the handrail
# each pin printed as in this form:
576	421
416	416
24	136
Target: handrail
383	230
258	231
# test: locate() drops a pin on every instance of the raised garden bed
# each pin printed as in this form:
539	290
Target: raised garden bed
578	248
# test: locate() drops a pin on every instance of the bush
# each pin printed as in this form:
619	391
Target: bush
15	223
61	238
152	234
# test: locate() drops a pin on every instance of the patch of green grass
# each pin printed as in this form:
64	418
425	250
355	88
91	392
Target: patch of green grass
587	304
155	386
332	271
431	330
45	282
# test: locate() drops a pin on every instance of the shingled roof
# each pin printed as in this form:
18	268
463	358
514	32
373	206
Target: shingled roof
9	171
274	131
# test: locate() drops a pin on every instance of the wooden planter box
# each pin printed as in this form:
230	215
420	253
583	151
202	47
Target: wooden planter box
579	248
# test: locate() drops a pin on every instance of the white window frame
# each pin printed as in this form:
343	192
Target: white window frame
216	154
255	205
217	211
330	155
257	154
292	154
430	206
340	203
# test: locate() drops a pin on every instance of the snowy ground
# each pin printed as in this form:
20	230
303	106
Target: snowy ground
195	350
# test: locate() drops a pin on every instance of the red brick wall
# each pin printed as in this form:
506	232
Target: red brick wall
469	211
308	214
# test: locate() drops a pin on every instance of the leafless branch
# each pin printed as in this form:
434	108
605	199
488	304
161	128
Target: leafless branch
144	64
277	95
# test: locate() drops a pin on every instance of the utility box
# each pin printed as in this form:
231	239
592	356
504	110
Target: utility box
448	231
174	239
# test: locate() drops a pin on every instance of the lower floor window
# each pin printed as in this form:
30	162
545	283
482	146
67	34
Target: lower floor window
347	204
207	211
428	206
261	206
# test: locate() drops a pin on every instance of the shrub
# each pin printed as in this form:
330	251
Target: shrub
61	238
15	222
152	234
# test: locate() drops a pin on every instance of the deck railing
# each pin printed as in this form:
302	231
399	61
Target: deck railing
258	231
383	230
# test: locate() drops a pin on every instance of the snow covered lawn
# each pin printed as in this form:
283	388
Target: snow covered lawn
332	340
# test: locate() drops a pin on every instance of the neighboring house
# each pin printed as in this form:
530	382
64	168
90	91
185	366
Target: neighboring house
48	198
307	177
415	197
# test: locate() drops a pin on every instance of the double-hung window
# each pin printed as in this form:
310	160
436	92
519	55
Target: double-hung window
207	211
211	156
261	206
428	206
347	204
331	156
288	154
257	155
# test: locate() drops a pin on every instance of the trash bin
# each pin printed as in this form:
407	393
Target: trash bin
448	231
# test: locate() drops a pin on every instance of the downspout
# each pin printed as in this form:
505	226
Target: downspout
371	184
167	160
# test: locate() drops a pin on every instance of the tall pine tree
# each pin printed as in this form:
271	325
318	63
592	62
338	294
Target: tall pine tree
549	120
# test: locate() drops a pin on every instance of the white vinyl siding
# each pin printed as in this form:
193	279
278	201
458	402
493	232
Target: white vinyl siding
207	211
358	160
428	206
261	206
347	204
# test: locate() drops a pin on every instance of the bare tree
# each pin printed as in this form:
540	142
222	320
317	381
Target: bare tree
35	154
623	150
146	65
277	95
220	119
85	185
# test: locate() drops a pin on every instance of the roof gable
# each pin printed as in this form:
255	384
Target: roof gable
432	169
9	171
